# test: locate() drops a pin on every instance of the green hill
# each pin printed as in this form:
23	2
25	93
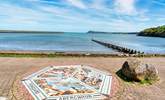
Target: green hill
153	32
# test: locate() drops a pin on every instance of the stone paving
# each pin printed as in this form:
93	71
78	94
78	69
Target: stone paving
12	70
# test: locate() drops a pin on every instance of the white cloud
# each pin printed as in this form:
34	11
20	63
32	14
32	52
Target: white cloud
32	0
126	7
159	2
98	15
77	3
20	15
98	4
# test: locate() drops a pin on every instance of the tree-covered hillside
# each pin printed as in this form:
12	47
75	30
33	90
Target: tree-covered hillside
155	32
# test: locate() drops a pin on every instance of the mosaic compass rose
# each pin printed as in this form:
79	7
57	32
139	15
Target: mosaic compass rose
73	82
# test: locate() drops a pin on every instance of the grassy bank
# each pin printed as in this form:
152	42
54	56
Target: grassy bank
15	54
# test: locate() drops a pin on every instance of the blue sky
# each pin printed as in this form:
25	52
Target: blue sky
81	15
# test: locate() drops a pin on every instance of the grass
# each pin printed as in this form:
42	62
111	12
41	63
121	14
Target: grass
38	54
26	55
56	54
146	82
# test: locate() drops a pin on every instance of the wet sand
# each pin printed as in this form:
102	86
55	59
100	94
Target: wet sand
13	67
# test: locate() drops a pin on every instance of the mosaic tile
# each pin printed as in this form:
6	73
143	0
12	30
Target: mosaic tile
73	82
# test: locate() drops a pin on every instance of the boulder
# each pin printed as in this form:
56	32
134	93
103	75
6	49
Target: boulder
136	70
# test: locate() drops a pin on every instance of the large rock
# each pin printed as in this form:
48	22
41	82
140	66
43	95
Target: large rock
136	70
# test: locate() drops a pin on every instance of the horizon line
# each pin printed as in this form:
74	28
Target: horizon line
45	31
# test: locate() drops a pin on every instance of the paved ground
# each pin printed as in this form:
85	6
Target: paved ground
13	69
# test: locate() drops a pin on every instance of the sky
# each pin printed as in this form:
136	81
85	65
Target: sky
81	15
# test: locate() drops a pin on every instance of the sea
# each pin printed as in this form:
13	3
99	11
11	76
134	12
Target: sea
79	42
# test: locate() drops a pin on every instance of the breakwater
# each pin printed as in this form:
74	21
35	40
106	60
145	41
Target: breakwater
118	48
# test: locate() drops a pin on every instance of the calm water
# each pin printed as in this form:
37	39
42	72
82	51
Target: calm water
79	42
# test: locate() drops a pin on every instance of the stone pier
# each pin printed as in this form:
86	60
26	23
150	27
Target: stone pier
118	48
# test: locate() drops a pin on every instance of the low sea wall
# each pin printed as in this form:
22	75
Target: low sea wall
65	54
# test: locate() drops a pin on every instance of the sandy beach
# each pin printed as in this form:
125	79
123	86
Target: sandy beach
13	69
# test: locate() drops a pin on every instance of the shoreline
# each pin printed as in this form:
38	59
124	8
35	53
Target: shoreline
19	53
